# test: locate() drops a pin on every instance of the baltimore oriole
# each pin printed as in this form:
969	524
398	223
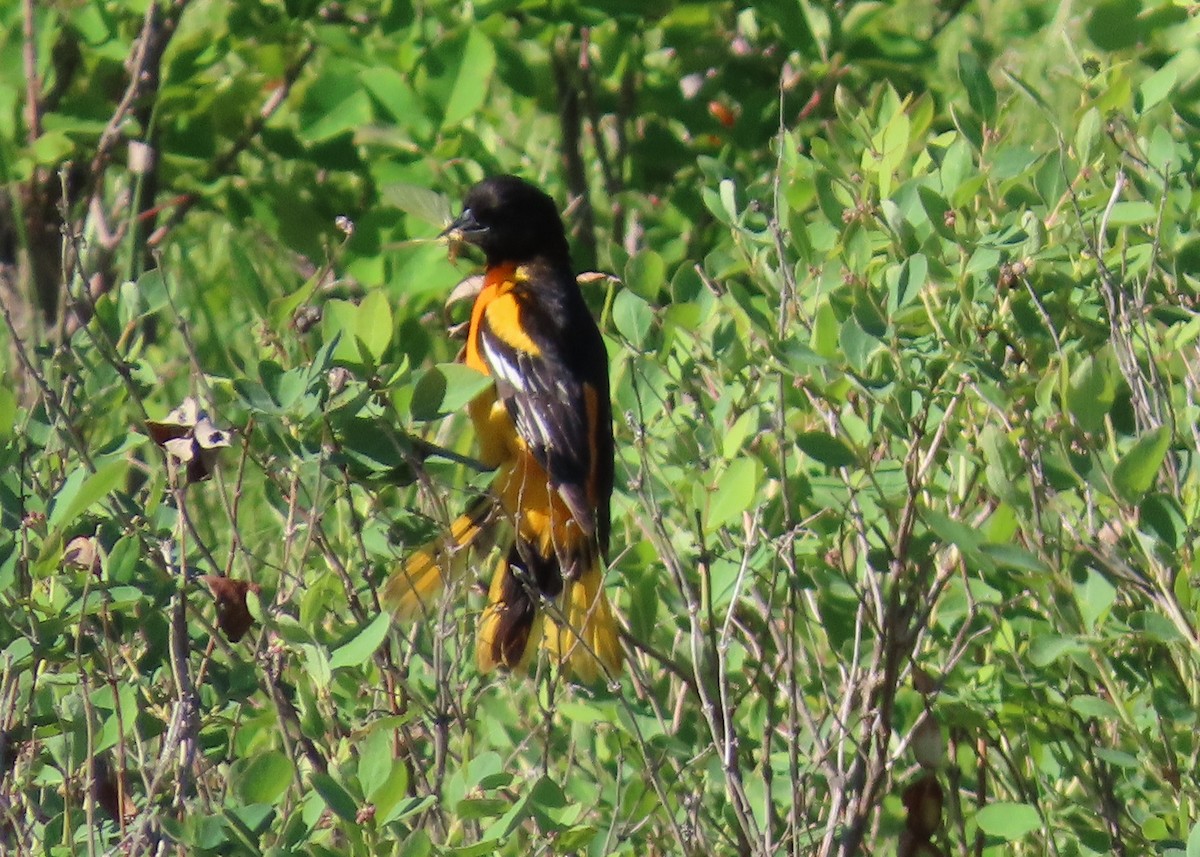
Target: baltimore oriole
546	427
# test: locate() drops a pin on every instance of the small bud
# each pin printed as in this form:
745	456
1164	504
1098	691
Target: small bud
81	553
337	378
141	158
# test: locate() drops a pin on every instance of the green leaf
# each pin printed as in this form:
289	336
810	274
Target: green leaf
1154	828
825	448
51	149
422	271
548	803
1008	821
283	388
419	201
1155	626
867	314
339	105
1134	474
967	539
1119	757
1015	558
856	344
1047	649
316	664
726	192
481	807
1087	705
908	284
445	389
1132	213
411	807
479	849
282	310
389	794
734	493
486	771
356	652
1094	597
394	92
645	274
123	559
255	396
1156	87
471	83
418	844
373	326
980	93
935	205
1193	841
632	317
8	412
339	318
1113	24
892	143
1163	154
1162	516
152	292
1087	135
335	796
250	821
1091	391
375	447
824	339
374	760
575	839
81	489
265	779
712	201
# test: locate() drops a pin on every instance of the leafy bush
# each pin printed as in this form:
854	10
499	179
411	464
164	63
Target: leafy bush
903	334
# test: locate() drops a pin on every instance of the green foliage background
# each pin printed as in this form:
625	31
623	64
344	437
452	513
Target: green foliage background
904	351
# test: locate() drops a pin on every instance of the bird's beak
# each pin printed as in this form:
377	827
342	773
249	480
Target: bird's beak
464	228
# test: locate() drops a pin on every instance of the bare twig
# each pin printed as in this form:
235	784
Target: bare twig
158	26
33	83
570	124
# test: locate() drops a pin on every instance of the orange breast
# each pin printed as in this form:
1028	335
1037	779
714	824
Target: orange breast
521	484
498	438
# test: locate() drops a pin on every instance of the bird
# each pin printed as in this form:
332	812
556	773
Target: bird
545	427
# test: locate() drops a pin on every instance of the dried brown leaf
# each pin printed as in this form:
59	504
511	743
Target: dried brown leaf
923	800
178	423
110	792
922	681
466	289
233	615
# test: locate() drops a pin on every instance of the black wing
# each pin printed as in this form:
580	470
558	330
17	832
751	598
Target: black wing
551	372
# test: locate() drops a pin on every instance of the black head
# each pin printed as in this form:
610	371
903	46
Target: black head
511	221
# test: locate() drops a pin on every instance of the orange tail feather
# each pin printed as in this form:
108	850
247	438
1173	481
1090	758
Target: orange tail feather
416	585
588	640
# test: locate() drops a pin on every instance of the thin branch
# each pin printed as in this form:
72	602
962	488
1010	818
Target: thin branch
225	162
570	125
143	64
33	84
